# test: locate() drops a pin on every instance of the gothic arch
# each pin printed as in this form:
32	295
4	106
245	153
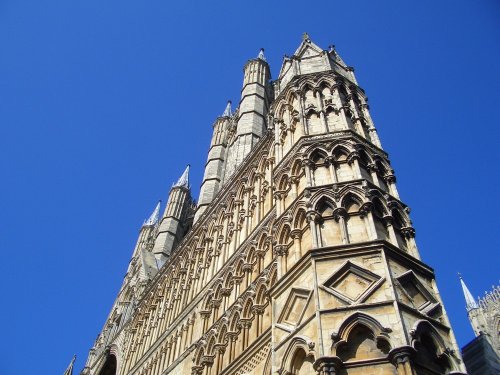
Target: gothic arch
317	155
273	275
284	235
352	202
283	184
325	207
296	169
234	321
247	308
199	354
297	345
110	363
299	218
357	328
261	294
325	82
431	348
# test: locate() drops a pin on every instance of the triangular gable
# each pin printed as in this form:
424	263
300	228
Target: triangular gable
307	49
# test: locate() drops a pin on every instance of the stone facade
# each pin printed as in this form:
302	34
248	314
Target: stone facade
301	258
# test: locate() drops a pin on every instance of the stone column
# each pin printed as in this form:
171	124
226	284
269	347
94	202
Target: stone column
313	217
390	229
409	235
328	365
390	180
366	213
294	181
353	160
307	164
372	168
297	249
341	216
321	111
281	252
401	359
330	161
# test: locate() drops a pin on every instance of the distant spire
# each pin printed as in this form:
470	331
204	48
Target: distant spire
305	37
470	302
155	216
261	55
69	370
184	180
227	111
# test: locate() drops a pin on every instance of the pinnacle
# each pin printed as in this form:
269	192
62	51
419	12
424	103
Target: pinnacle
227	111
155	216
261	56
469	299
184	179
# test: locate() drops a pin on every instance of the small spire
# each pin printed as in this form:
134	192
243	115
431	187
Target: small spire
69	370
155	216
261	55
470	302
227	111
305	37
184	180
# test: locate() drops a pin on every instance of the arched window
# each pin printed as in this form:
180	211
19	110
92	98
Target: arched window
301	364
109	367
362	344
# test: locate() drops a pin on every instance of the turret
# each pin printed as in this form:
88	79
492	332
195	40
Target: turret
256	97
176	220
214	168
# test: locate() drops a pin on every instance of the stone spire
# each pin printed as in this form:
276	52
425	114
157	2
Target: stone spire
227	111
470	302
155	216
184	179
261	55
69	370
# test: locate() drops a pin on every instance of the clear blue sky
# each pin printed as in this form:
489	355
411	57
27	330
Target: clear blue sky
97	98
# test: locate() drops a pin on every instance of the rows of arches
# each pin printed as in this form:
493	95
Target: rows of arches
316	106
362	341
212	254
236	329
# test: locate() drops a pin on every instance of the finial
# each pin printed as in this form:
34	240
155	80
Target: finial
305	37
155	216
261	55
227	111
470	302
184	179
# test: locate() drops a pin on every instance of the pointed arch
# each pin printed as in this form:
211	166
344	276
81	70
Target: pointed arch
299	218
325	206
261	294
247	308
352	202
360	332
298	351
318	156
431	348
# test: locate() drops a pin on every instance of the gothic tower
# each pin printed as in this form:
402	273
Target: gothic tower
302	257
482	355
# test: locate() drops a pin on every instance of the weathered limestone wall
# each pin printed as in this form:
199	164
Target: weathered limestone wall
304	261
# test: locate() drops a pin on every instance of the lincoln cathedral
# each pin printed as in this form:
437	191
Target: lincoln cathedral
298	257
